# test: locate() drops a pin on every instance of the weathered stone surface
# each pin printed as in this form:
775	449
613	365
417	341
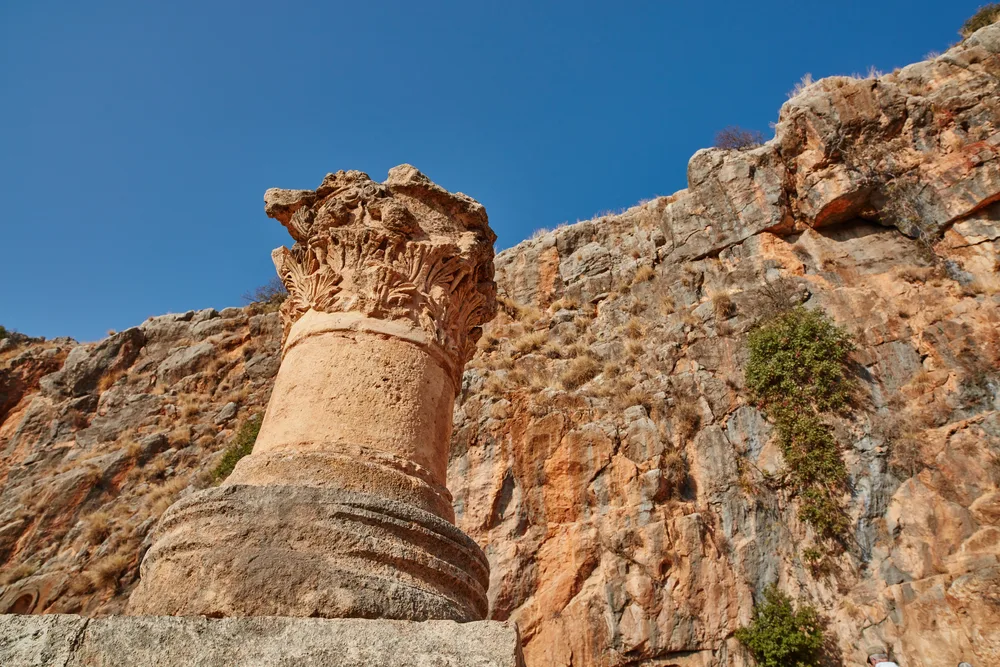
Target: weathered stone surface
304	551
149	641
85	365
185	361
36	641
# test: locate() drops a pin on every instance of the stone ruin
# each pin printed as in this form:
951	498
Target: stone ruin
342	511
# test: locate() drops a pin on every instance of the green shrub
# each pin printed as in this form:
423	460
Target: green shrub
3	333
986	15
797	369
779	636
799	358
241	445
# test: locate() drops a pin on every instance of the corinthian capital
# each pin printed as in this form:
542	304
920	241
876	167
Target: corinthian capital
406	252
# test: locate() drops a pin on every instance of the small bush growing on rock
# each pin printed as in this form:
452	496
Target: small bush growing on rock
686	417
780	636
674	469
735	137
270	295
4	333
986	15
797	370
799	358
242	445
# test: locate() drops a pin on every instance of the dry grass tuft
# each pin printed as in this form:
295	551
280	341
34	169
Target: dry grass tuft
686	417
626	397
565	303
905	456
17	573
92	475
634	349
97	527
181	437
986	15
917	274
674	470
530	342
666	305
804	82
644	273
634	328
155	469
81	584
109	379
723	306
133	450
579	371
162	496
106	572
494	386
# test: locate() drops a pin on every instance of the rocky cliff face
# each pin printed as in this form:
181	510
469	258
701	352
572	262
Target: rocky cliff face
605	453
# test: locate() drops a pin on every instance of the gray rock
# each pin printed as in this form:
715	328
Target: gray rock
564	315
227	412
204	315
209	328
86	364
590	260
184	362
157	641
153	444
262	366
165	327
267	325
230	313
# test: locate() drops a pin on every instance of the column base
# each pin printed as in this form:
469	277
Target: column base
242	550
157	641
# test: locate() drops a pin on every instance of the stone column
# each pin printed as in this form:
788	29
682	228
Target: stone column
342	509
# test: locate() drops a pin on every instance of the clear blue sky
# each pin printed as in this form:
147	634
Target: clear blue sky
137	138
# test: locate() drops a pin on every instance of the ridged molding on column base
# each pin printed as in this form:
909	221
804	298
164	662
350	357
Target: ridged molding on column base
350	468
244	550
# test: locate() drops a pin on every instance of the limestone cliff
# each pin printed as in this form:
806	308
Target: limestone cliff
606	456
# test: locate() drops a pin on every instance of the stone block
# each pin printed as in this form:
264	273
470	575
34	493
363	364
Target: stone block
164	641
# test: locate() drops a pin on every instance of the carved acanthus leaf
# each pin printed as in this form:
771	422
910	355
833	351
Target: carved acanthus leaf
428	284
